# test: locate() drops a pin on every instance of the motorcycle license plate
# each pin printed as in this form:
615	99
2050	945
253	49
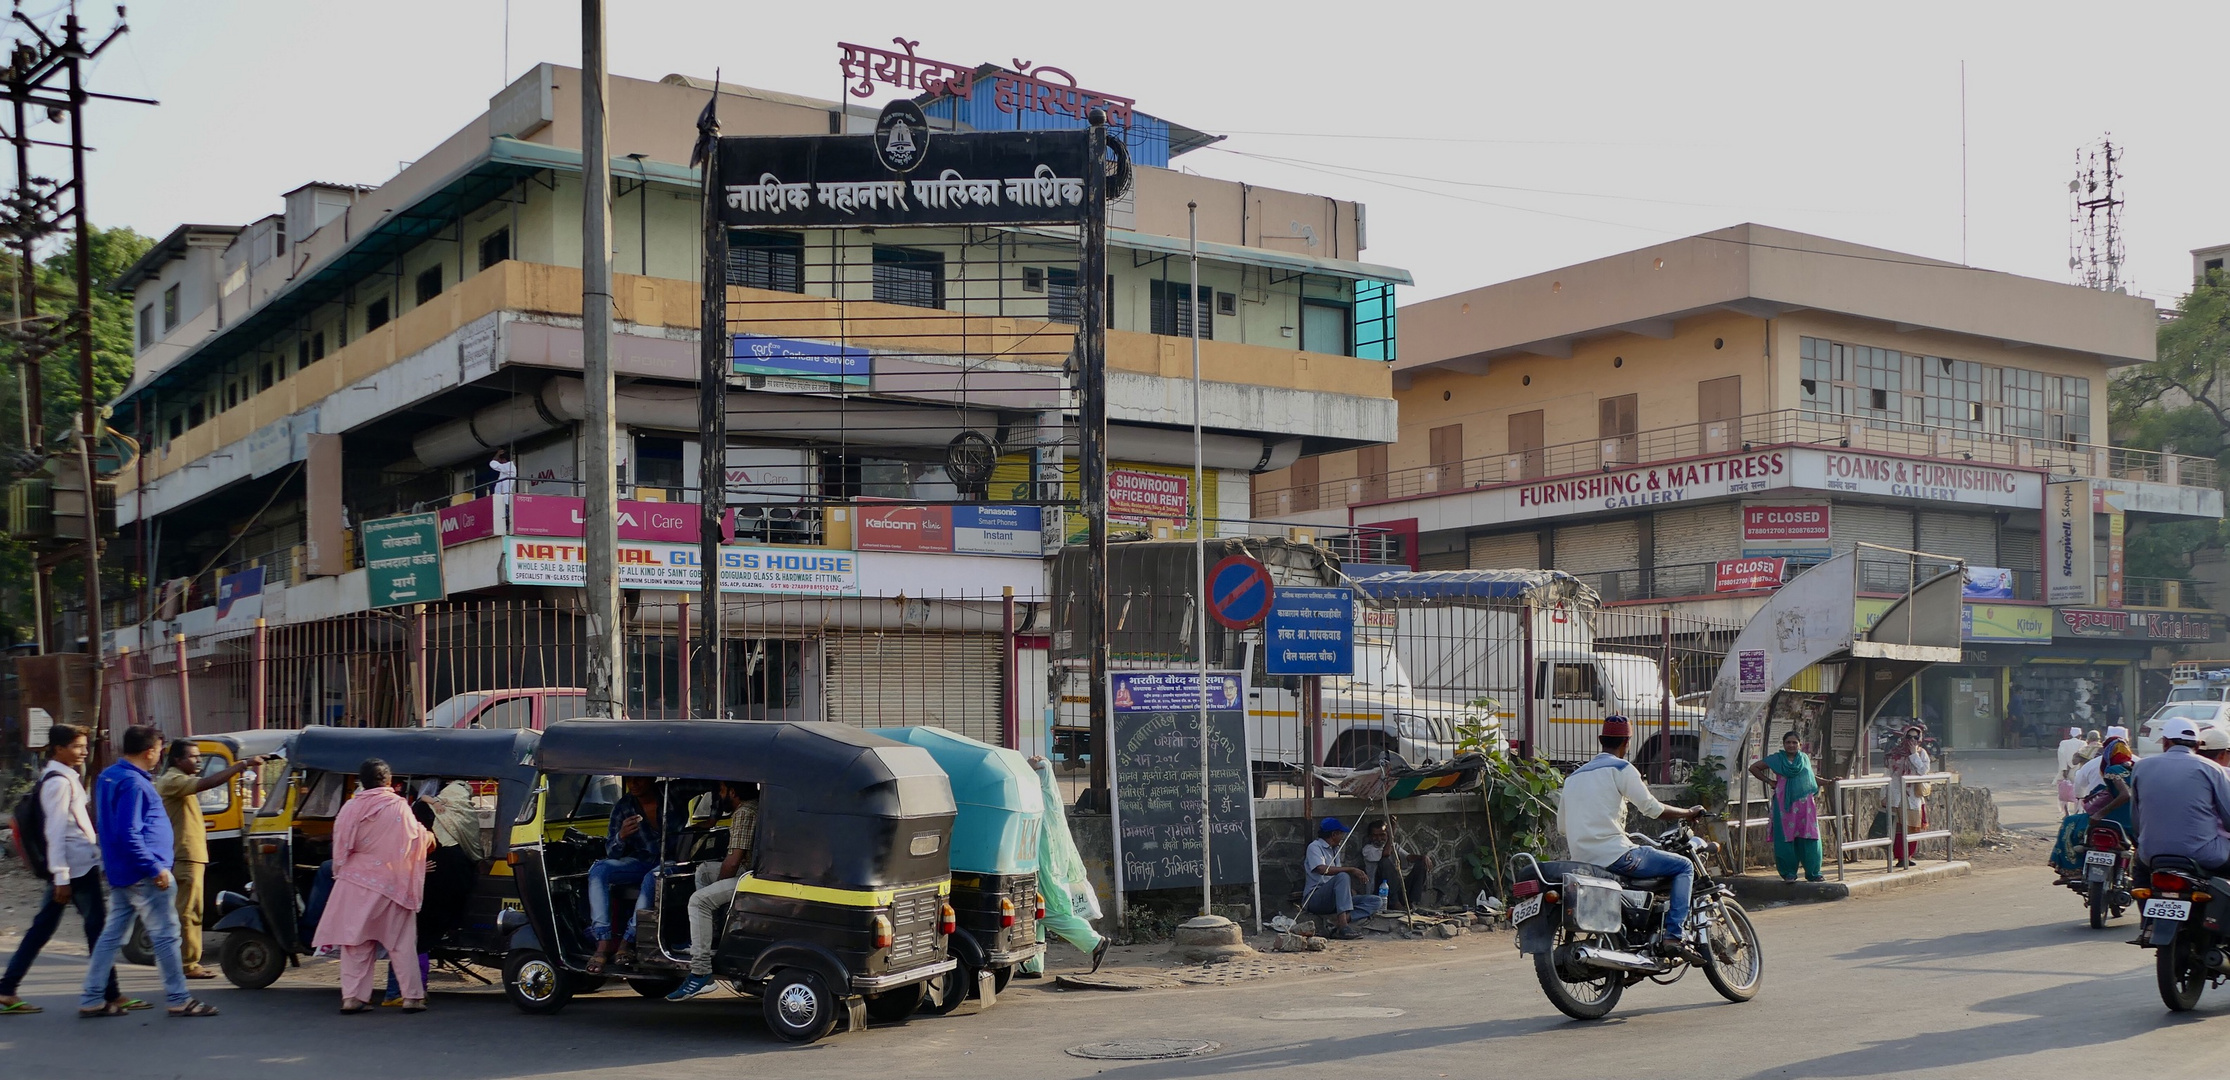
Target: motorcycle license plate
2099	858
1526	909
2177	910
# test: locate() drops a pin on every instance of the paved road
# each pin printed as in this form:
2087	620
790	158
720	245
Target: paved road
1986	976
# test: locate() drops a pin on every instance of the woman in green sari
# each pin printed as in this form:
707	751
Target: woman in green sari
1796	809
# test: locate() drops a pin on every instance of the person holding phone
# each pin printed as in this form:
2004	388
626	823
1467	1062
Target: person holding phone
630	857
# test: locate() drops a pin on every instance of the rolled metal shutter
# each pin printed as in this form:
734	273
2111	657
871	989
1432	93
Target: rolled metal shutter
2021	550
1605	554
1973	537
1688	541
1441	560
1850	524
1506	551
916	678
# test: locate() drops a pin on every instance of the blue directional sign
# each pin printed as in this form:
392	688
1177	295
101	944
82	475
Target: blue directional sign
1310	631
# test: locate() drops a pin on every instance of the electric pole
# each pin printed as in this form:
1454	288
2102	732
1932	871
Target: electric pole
606	696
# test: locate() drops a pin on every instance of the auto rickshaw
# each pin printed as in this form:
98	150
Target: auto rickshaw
290	840
839	914
224	812
994	862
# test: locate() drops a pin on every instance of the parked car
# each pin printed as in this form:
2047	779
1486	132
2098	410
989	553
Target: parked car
2206	714
534	708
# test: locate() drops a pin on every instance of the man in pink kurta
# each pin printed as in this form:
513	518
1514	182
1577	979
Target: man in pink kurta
379	880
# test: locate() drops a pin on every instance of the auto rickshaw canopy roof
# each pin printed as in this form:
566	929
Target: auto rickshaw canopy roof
825	768
1001	807
502	755
246	744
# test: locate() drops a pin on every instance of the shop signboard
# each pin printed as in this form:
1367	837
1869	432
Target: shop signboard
877	527
2012	624
998	529
1785	524
562	515
820	361
1987	583
2068	566
2126	625
675	567
1140	493
1746	575
467	521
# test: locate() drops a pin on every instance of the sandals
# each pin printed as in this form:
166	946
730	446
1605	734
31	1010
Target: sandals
194	1007
411	1008
352	1010
19	1008
625	957
132	1004
106	1008
603	956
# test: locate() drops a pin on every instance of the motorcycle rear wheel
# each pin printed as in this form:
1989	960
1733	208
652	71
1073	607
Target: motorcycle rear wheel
2179	974
1591	1000
2096	901
1739	977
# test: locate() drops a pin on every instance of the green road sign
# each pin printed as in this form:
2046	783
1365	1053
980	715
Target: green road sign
402	559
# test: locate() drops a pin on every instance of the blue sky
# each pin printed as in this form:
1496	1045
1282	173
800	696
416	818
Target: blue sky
1503	139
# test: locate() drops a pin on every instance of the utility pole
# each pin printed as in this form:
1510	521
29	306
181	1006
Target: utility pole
604	633
1091	443
709	677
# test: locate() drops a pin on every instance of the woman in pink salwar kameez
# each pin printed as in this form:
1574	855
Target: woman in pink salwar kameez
379	881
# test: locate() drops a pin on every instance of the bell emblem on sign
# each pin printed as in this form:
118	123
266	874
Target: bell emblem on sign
901	146
901	136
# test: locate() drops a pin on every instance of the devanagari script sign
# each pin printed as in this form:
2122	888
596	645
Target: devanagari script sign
965	178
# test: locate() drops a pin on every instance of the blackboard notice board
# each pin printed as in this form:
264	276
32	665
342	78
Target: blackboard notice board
1156	776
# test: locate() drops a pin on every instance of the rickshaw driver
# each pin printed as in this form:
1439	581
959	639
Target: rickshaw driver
716	887
632	849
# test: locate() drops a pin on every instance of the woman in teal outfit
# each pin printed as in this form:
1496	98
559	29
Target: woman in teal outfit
1796	808
2109	798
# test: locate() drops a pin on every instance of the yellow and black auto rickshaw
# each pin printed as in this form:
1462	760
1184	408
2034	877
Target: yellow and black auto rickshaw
290	841
840	913
224	813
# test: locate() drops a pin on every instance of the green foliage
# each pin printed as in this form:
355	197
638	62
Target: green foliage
2181	403
1707	784
1520	795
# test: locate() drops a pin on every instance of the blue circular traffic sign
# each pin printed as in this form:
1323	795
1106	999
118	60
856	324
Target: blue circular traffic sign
1239	592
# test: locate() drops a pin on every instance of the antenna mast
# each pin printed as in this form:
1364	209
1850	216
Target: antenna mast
2095	246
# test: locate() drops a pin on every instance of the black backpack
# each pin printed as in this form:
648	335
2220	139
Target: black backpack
29	821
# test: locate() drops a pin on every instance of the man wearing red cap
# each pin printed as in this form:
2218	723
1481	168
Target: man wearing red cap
1593	815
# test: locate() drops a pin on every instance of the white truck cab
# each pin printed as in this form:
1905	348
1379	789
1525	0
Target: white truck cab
1374	710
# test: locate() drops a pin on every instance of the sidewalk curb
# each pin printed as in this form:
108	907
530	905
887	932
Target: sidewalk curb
1768	890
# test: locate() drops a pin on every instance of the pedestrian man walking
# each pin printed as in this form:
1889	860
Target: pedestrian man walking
181	786
137	851
73	865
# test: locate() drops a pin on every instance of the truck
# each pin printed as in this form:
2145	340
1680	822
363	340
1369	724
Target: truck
1468	636
1150	587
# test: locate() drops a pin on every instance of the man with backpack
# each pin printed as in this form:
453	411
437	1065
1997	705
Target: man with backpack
57	839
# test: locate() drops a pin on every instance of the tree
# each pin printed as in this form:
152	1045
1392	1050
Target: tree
2180	403
113	251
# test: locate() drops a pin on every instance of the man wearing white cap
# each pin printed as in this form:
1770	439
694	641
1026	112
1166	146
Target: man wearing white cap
2180	802
2070	748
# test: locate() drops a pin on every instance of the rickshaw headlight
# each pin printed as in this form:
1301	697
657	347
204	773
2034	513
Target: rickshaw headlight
882	931
1006	913
946	922
1040	916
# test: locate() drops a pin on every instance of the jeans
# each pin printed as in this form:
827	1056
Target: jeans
1336	893
89	895
157	908
704	909
601	877
321	890
1404	889
1644	862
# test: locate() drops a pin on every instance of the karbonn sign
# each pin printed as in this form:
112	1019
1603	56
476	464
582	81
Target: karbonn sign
965	178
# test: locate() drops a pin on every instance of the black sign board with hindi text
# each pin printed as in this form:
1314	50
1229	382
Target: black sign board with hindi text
1156	776
957	178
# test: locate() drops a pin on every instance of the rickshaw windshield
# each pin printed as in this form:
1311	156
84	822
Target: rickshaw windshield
579	796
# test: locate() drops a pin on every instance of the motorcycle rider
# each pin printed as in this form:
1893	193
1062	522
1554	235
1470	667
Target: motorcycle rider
2214	745
1592	813
2180	802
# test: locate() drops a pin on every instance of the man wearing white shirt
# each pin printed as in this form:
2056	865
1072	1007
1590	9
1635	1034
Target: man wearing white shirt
73	857
1592	812
2070	748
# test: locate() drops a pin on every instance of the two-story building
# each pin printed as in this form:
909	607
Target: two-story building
1686	424
367	351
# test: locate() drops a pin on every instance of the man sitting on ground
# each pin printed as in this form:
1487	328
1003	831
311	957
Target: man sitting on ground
1593	814
716	888
1400	871
1330	888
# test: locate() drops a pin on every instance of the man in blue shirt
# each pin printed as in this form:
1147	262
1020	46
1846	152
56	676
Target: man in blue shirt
136	851
2181	802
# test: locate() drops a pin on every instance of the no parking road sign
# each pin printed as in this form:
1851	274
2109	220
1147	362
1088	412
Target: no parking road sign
1239	592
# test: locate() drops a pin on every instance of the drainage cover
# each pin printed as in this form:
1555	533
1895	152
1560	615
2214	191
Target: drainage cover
1143	1049
1344	1012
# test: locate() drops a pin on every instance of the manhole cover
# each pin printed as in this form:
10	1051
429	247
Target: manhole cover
1143	1049
1344	1012
1248	970
1116	980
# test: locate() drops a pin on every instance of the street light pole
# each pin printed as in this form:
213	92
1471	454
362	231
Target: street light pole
603	632
1200	555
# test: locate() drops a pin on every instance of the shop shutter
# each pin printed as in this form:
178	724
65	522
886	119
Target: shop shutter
908	678
1973	537
2021	550
1506	551
1441	560
1604	554
1851	524
1688	541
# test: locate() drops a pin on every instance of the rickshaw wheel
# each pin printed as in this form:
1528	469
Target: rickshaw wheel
951	990
1000	977
799	1007
251	960
534	982
654	988
894	1006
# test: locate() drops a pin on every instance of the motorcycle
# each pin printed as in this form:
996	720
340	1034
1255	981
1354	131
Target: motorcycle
2108	861
2187	925
1589	931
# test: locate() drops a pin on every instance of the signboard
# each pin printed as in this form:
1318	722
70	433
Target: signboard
2068	565
1753	675
1156	776
903	528
241	594
962	178
1138	493
1310	631
998	529
980	529
1745	575
2116	525
1987	583
2137	625
468	521
821	361
1785	524
2014	624
402	559
561	515
1238	592
37	724
674	567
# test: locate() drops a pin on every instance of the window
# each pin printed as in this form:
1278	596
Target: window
1960	395
910	276
1954	393
509	714
2074	419
1374	320
195	415
429	285
375	314
170	309
1325	326
494	248
232	394
1574	682
218	799
1064	303
558	707
317	346
658	462
1173	317
177	424
774	261
147	326
265	375
2023	394
302	354
1033	279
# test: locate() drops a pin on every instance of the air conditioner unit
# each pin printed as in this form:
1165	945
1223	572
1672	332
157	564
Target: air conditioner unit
31	509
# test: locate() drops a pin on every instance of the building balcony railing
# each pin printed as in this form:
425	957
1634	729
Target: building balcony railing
1784	426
